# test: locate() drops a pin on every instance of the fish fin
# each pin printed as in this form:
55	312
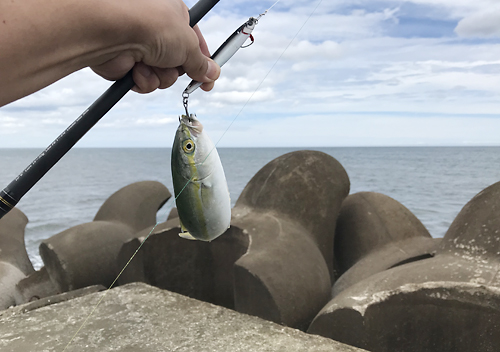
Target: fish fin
187	236
183	229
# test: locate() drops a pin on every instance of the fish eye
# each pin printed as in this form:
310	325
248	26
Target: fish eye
188	146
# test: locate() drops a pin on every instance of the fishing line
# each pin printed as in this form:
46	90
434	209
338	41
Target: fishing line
120	273
109	288
215	145
269	72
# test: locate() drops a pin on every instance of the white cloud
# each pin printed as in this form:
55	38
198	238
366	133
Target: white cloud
342	63
364	130
156	121
306	51
455	8
10	125
238	97
485	23
50	121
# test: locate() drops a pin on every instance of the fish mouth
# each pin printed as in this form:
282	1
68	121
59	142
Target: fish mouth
192	123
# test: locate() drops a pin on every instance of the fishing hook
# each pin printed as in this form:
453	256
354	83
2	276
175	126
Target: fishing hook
185	101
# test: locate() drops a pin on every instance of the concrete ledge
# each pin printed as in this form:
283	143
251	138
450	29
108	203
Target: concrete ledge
138	317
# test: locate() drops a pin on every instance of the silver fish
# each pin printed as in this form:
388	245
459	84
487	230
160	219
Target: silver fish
200	187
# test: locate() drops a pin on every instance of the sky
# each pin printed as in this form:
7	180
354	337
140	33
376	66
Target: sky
320	73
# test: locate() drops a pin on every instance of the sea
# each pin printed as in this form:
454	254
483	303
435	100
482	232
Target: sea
433	182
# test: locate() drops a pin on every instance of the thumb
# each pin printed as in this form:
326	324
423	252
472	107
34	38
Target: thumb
198	65
202	69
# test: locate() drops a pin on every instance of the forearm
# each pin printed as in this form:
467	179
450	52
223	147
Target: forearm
43	41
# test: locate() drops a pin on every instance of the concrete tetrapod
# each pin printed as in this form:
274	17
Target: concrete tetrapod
374	233
276	259
86	254
35	286
12	247
447	303
201	270
14	261
305	186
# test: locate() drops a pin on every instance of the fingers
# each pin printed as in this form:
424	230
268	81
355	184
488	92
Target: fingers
207	86
167	76
185	51
115	68
148	79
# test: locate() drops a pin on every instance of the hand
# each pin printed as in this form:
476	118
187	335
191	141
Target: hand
168	48
48	40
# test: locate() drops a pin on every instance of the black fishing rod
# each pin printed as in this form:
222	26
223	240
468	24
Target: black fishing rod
13	193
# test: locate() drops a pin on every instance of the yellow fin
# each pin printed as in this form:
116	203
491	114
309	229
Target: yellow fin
187	236
183	229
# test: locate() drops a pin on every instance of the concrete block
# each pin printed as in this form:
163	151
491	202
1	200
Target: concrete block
446	303
431	316
57	298
276	259
12	247
388	256
14	261
305	186
87	254
35	286
367	222
196	269
475	232
132	265
283	277
84	255
139	318
135	205
10	275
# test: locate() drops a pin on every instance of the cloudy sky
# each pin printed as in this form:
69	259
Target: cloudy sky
357	73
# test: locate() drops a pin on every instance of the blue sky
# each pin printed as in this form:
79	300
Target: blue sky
359	73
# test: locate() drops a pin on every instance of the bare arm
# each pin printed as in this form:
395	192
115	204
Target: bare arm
43	41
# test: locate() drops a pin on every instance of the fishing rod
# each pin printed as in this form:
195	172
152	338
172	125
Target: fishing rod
13	193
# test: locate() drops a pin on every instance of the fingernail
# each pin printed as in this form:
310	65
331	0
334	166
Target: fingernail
144	70
213	70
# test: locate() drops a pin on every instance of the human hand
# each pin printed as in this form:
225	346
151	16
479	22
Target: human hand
165	48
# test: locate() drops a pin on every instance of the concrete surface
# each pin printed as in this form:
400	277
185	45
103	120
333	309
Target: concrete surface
138	317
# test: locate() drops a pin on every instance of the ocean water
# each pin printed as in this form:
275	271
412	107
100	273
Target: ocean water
433	182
